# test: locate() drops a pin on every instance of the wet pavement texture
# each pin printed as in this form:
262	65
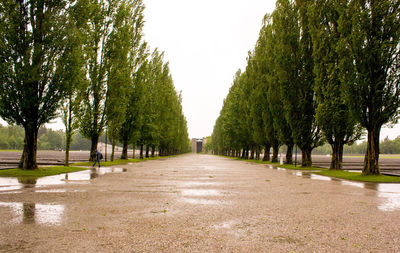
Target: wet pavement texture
197	203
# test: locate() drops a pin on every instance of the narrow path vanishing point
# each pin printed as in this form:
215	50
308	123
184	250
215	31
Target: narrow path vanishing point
201	203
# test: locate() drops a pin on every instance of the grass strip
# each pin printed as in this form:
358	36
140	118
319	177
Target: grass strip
357	176
248	160
56	170
285	166
41	172
109	163
123	161
298	167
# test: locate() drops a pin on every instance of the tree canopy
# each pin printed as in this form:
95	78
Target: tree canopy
321	70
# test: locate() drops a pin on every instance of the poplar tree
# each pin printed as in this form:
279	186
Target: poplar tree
99	27
369	66
338	125
72	68
124	54
32	40
295	73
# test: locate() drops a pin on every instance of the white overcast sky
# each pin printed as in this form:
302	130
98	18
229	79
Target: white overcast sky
206	42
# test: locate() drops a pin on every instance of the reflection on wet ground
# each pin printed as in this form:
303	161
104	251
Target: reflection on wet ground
198	183
12	184
199	192
200	201
31	213
390	193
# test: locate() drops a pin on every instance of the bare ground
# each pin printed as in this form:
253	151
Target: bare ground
200	203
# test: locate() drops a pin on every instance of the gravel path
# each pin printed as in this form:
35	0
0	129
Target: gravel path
200	203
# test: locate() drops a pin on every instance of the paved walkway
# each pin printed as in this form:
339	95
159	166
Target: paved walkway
199	203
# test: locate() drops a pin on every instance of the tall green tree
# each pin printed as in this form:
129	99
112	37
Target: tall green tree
369	66
129	133
98	30
267	57
333	115
295	73
32	39
124	56
72	70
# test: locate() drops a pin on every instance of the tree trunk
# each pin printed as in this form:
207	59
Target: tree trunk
21	160
289	154
112	151
337	156
67	146
141	151
371	161
30	149
95	140
275	151
124	154
252	153
153	151
267	149
147	151
258	152
306	160
68	134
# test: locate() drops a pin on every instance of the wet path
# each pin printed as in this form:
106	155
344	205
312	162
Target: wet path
198	203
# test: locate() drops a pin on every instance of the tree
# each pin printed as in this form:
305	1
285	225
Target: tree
369	51
129	132
124	56
149	132
333	114
267	58
32	39
99	33
73	73
295	74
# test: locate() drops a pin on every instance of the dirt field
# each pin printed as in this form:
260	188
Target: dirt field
199	203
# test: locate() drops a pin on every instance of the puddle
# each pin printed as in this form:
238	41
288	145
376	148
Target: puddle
311	176
197	192
231	227
318	177
392	196
198	183
209	167
200	201
31	213
390	193
13	184
226	225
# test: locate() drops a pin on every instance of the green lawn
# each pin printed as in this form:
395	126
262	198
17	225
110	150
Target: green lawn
109	163
249	160
56	170
122	161
356	176
41	172
298	167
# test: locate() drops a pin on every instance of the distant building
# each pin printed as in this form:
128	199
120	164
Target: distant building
197	145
